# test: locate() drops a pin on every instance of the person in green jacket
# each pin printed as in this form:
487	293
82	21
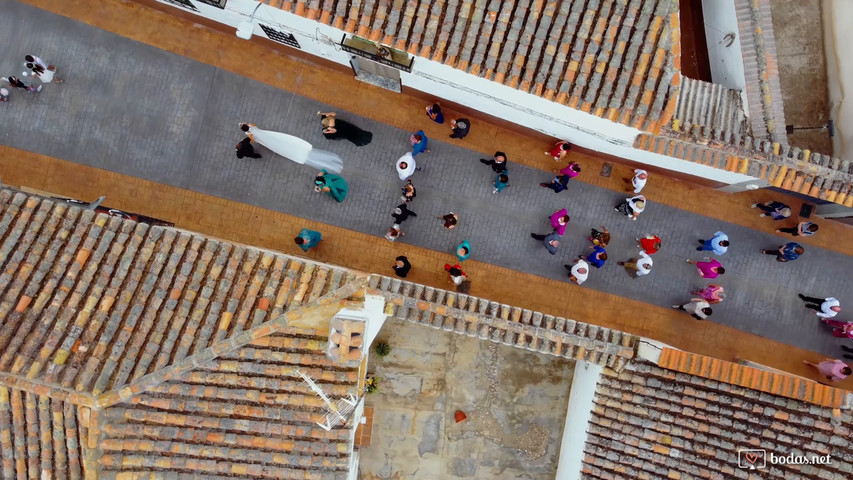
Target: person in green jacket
307	239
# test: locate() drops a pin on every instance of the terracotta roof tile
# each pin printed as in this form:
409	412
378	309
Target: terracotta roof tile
236	412
537	46
104	302
38	437
650	423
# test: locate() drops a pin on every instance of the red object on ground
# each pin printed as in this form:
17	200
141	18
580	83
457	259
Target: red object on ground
459	416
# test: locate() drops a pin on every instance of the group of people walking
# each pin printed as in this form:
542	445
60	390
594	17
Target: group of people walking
35	67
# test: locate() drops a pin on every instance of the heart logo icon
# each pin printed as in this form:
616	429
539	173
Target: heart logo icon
751	457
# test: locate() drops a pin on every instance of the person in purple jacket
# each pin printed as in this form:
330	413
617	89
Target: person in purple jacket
559	221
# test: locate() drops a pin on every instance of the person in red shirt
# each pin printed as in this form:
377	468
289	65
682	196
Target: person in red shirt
650	243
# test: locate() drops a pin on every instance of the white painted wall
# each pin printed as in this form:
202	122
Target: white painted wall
477	93
837	37
726	62
584	381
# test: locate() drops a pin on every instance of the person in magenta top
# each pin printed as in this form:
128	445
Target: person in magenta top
571	170
710	269
559	221
832	370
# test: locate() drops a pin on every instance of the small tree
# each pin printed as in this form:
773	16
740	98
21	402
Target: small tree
382	348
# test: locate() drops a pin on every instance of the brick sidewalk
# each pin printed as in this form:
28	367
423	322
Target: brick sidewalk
202	213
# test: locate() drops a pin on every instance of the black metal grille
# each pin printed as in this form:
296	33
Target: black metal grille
214	3
183	3
279	36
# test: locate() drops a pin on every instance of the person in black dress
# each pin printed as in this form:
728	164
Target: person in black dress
245	149
402	266
336	129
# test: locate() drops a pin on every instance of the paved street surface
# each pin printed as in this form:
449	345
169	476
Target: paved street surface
140	111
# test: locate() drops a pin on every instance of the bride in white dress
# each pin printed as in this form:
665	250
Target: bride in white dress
294	149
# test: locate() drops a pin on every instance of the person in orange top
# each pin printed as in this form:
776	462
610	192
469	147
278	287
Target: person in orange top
650	243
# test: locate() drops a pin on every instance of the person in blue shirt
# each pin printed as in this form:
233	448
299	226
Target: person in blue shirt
308	239
419	143
718	244
463	251
597	257
501	182
434	112
786	253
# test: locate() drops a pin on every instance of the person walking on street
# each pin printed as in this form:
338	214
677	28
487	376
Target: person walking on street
697	308
17	83
712	293
786	253
600	238
718	244
308	239
4	95
650	244
501	181
638	181
401	213
558	183
463	251
434	113
245	149
804	229
406	166
831	369
460	127
559	150
457	276
450	220
402	266
775	210
578	271
551	241
409	192
39	63
825	307
710	269
639	266
559	220
572	170
597	257
394	233
840	329
419	142
632	207
498	162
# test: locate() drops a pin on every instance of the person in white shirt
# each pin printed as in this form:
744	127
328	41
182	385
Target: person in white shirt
825	307
632	207
697	308
639	180
406	166
578	272
640	266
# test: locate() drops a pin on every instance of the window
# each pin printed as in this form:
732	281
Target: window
183	3
280	37
214	3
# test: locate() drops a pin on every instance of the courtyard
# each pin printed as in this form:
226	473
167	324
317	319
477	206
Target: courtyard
515	403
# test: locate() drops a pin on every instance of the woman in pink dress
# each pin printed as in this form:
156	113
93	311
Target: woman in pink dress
710	269
712	294
832	370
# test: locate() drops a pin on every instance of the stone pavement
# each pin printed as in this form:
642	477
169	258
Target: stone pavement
176	124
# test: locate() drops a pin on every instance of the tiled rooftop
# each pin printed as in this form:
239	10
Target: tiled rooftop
247	414
791	168
651	423
40	437
127	348
501	323
617	59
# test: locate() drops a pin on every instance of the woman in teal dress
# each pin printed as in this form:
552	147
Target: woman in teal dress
463	251
332	184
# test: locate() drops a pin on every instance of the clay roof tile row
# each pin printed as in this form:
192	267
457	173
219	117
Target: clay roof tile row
613	58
